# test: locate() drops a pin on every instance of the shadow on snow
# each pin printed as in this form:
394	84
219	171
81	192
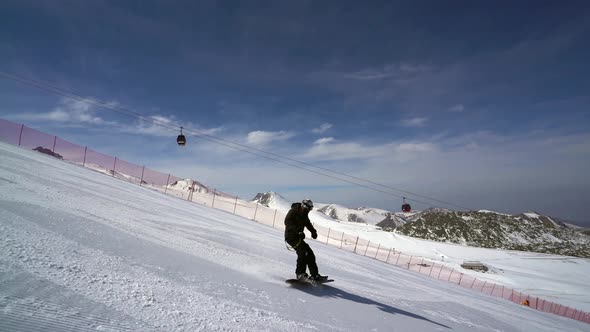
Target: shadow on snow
333	292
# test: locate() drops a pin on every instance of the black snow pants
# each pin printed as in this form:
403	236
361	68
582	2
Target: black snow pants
305	259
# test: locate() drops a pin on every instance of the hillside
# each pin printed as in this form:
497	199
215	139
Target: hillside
525	232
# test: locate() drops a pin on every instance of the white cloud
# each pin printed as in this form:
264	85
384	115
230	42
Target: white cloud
340	151
400	71
414	122
152	129
261	138
457	108
159	125
328	148
416	147
324	140
413	68
322	128
68	111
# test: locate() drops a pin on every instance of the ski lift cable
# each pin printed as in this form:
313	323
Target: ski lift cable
168	125
58	91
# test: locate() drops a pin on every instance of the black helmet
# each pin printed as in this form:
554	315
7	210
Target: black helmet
307	203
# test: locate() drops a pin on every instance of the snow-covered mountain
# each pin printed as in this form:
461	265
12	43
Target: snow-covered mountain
272	200
526	232
339	213
186	185
365	215
488	229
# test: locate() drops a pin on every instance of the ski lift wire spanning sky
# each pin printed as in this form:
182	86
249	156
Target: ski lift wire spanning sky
181	140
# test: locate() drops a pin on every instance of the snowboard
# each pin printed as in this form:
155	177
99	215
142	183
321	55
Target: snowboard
307	282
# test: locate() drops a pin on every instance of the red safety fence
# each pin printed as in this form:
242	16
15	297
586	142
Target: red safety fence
28	138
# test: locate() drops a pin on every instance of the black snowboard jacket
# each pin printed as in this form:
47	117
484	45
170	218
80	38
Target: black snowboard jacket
295	221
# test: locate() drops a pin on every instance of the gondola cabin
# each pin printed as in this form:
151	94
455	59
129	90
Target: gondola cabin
406	206
181	140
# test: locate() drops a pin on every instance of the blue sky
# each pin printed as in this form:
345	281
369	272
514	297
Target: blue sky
485	105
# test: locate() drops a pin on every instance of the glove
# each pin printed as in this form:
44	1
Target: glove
314	235
301	235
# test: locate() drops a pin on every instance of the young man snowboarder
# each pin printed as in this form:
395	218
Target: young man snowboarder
297	218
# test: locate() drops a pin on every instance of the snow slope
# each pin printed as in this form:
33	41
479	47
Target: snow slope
82	251
561	279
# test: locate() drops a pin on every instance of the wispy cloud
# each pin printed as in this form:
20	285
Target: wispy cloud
263	138
415	147
390	71
165	126
328	148
415	122
322	128
324	140
68	111
457	108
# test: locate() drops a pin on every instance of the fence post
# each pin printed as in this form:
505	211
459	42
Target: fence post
453	270
235	204
367	248
410	261
20	136
255	210
399	254
431	267
328	237
502	291
274	218
492	293
387	259
377	253
54	141
84	161
473	282
422	262
341	240
439	272
167	182
357	241
213	203
484	285
191	191
114	166
141	180
461	278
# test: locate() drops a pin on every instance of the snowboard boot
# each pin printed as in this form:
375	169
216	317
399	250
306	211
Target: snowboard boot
318	277
302	276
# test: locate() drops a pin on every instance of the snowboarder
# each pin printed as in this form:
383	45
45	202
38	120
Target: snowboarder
297	218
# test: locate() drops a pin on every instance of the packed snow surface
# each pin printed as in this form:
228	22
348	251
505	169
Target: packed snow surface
82	251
